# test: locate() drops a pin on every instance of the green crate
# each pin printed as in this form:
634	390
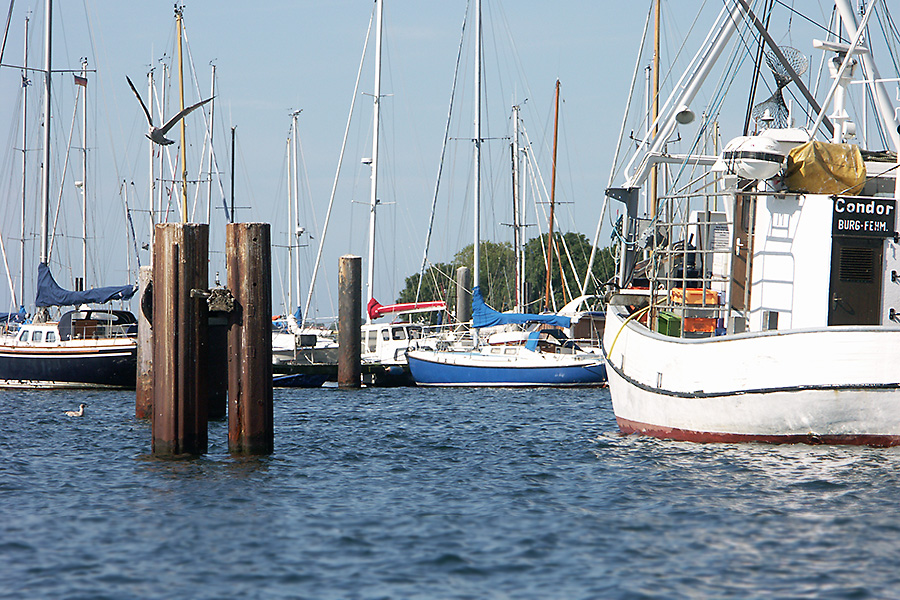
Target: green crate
669	324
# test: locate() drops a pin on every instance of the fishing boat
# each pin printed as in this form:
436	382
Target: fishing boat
538	355
758	302
86	347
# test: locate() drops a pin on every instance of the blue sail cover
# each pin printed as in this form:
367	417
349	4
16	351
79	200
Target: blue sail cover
485	316
50	294
16	317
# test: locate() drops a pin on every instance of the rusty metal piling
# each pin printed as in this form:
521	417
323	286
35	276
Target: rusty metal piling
349	321
180	339
250	410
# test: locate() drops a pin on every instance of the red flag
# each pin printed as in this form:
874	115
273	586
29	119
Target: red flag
79	80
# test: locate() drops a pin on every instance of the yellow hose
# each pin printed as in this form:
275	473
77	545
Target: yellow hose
615	339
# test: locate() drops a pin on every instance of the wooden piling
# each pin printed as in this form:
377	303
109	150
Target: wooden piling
180	265
349	321
463	295
143	405
250	410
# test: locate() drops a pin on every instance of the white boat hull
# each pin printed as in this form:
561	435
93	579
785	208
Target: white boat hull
829	385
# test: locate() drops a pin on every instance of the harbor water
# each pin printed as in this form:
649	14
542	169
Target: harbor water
433	493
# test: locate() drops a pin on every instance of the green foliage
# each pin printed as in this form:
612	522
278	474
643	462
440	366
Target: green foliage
574	266
498	273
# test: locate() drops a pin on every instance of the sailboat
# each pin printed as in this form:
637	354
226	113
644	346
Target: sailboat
537	356
302	356
86	347
762	304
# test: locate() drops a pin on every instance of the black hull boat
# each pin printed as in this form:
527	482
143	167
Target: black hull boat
84	349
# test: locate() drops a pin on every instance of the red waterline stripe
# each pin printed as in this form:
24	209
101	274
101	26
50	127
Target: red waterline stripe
685	435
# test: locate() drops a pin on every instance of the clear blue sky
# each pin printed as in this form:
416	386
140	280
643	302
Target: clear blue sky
275	57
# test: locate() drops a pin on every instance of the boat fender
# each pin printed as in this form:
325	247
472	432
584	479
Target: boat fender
147	302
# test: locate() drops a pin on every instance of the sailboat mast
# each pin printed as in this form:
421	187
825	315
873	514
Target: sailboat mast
290	221
212	128
178	19
45	173
552	202
152	196
517	212
373	200
476	250
84	166
295	222
25	84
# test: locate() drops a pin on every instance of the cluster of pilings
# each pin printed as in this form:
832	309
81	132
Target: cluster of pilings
190	337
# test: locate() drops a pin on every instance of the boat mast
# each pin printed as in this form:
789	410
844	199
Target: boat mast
178	19
876	85
654	112
212	128
45	173
294	232
25	84
373	200
163	97
152	196
290	220
476	250
84	167
552	204
517	212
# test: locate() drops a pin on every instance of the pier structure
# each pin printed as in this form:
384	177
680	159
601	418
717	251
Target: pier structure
186	320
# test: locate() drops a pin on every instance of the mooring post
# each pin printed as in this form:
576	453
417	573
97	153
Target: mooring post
143	405
180	265
349	321
250	406
463	295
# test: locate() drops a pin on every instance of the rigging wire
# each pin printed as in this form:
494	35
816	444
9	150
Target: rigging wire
437	184
613	169
337	173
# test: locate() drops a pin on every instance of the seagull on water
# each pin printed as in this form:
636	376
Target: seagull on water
76	413
158	134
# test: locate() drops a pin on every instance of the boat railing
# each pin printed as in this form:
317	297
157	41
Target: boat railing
690	265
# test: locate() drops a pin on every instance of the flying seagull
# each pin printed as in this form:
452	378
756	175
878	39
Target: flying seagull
76	413
158	134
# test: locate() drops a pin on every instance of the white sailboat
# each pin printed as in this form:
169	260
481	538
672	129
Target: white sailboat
384	345
301	354
761	302
531	357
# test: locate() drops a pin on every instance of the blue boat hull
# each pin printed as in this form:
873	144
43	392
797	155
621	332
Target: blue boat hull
437	373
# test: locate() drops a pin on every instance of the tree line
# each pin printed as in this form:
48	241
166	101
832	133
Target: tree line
498	273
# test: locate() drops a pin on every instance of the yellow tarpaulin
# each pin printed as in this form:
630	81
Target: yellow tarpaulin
821	168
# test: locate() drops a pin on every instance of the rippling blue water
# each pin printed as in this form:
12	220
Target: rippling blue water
430	493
